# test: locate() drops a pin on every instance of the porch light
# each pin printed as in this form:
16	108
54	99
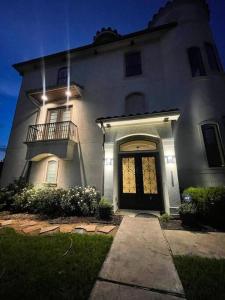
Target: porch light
170	159
44	97
68	93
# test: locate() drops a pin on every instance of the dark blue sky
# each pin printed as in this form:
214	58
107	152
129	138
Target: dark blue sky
32	28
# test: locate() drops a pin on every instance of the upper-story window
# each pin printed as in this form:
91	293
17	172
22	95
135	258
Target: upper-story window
51	175
213	145
135	103
212	57
196	62
62	76
133	64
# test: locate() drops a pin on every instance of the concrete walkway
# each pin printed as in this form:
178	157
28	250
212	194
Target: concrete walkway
139	264
208	244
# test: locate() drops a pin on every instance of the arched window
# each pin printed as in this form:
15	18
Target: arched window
138	145
52	168
62	76
135	103
213	145
196	62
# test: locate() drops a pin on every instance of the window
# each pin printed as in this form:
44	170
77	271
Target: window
212	57
51	176
213	145
196	62
135	103
138	145
133	64
62	76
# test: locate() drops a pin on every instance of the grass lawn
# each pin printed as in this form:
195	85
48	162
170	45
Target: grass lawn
202	278
61	266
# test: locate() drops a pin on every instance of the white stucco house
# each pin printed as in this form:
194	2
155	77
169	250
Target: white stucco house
139	116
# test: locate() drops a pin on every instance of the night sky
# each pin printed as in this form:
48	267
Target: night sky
33	28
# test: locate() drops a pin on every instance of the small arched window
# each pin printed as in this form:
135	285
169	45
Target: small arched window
196	62
213	145
62	76
51	176
135	103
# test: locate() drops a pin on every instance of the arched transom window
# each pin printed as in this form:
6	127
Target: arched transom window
138	145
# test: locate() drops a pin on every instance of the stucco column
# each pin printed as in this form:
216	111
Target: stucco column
108	171
171	184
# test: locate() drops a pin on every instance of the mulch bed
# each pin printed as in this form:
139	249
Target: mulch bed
176	224
116	220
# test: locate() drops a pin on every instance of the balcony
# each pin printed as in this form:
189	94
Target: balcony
51	139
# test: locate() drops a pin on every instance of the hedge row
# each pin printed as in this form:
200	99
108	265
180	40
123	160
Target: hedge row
77	201
207	204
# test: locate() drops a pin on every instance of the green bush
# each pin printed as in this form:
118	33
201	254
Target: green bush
210	204
164	218
8	193
105	209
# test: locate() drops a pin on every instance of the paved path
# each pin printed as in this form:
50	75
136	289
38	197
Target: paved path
139	264
209	244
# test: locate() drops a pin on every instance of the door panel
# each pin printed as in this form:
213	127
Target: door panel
129	178
139	181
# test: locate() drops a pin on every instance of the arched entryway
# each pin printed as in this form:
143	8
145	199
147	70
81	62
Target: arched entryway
139	174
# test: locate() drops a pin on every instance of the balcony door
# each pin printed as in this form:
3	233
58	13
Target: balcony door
58	123
139	176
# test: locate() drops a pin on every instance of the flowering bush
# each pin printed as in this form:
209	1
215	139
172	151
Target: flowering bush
80	201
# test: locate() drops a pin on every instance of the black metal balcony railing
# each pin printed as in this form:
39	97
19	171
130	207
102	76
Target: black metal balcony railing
52	131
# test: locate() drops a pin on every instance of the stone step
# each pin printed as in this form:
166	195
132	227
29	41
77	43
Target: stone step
106	229
50	229
88	228
32	229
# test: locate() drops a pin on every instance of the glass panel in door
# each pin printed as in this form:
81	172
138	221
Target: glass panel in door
149	175
129	178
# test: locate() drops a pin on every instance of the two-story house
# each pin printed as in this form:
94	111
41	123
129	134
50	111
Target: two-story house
140	116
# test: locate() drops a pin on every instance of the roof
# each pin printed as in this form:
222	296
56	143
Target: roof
20	66
138	115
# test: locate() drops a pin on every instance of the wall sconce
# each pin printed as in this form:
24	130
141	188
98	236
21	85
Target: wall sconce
170	159
108	161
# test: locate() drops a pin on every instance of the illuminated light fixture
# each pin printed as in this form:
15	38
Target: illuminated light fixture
108	161
170	159
68	93
44	97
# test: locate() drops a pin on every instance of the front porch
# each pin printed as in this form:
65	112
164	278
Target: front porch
140	170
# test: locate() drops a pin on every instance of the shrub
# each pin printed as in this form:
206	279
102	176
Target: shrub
164	218
105	209
210	204
80	201
188	213
8	193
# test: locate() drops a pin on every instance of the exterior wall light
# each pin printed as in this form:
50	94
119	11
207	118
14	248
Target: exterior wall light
44	97
68	93
170	159
108	161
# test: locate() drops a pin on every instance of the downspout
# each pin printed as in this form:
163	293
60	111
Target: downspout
103	149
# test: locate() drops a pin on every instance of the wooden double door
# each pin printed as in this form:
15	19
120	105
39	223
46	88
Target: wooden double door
139	181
